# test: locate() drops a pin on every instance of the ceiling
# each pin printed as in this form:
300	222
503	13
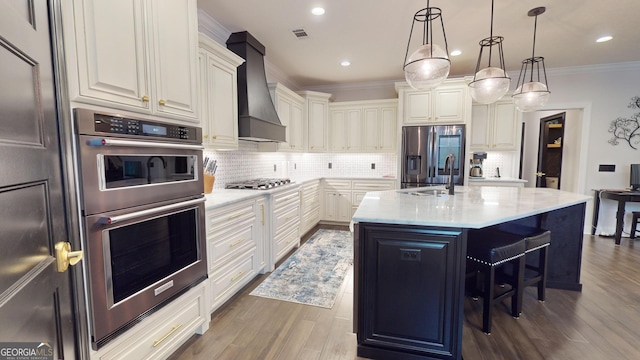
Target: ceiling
373	34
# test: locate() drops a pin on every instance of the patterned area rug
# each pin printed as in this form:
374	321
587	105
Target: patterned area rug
314	273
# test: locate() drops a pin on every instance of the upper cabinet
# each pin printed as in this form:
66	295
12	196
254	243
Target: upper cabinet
495	126
136	55
449	103
363	126
218	95
289	107
315	120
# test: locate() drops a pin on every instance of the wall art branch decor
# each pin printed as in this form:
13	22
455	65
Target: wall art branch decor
627	129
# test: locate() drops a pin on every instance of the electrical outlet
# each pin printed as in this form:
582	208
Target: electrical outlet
606	168
274	167
373	166
329	165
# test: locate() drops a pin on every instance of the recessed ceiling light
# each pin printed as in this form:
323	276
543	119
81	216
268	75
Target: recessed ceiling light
604	38
317	11
345	63
456	52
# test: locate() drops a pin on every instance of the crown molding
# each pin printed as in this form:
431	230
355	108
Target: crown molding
213	29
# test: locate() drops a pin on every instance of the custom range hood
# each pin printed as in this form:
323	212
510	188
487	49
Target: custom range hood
257	117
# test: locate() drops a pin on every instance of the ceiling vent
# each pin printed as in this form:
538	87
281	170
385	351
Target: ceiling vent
300	33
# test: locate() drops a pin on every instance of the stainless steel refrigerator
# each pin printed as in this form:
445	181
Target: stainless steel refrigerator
424	150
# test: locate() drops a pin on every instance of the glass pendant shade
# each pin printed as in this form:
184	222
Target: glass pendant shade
427	67
531	96
490	85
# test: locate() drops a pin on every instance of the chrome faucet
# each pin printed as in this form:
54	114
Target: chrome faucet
450	159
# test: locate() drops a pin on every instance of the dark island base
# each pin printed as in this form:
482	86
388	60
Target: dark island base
409	283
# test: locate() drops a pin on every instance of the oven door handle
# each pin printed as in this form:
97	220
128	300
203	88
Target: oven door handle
110	220
141	144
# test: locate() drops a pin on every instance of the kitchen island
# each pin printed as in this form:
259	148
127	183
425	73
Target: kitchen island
409	260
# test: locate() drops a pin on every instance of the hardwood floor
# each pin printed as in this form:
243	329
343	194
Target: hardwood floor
601	322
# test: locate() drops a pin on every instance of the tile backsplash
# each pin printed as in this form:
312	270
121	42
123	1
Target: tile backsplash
248	163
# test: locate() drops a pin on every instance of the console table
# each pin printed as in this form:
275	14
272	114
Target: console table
622	197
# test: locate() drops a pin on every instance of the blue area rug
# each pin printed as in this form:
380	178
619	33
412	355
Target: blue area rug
314	273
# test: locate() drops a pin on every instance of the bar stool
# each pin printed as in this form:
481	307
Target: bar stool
487	250
535	240
634	224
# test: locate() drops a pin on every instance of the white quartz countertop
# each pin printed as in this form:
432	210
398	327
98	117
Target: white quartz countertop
497	179
471	207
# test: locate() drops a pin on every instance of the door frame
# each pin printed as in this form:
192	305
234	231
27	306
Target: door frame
69	180
585	107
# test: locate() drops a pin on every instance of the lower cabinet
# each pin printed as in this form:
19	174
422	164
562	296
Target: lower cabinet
341	197
235	248
285	223
310	206
408	295
163	332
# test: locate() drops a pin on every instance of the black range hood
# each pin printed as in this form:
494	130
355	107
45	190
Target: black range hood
257	117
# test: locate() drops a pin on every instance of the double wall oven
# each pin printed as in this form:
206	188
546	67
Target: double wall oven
142	208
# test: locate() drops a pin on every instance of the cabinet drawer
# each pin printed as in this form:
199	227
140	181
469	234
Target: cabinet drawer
284	218
220	219
222	249
374	185
286	198
333	184
313	186
286	242
166	331
230	278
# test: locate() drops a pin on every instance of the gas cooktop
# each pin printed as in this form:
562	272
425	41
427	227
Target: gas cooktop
258	184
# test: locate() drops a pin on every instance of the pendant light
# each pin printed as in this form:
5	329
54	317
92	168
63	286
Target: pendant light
429	64
534	94
490	83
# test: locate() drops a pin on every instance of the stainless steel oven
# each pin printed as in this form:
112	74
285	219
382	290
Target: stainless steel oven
143	216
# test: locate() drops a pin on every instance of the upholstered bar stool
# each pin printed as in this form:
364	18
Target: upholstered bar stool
536	240
488	250
634	224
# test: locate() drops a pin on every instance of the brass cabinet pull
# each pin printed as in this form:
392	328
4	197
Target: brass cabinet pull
214	137
235	215
205	136
262	209
237	276
145	98
236	242
173	329
162	102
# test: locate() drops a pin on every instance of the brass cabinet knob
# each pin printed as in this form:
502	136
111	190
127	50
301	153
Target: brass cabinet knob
145	98
162	102
205	136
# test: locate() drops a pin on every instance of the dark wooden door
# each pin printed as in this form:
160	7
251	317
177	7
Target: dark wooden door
35	299
550	151
409	291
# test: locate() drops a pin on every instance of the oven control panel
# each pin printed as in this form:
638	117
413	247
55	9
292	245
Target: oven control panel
120	125
98	123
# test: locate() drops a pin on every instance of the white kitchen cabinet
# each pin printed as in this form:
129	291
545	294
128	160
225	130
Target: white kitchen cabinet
135	55
310	206
285	222
345	128
341	197
233	251
449	103
316	120
363	126
495	126
289	107
164	331
380	127
218	94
